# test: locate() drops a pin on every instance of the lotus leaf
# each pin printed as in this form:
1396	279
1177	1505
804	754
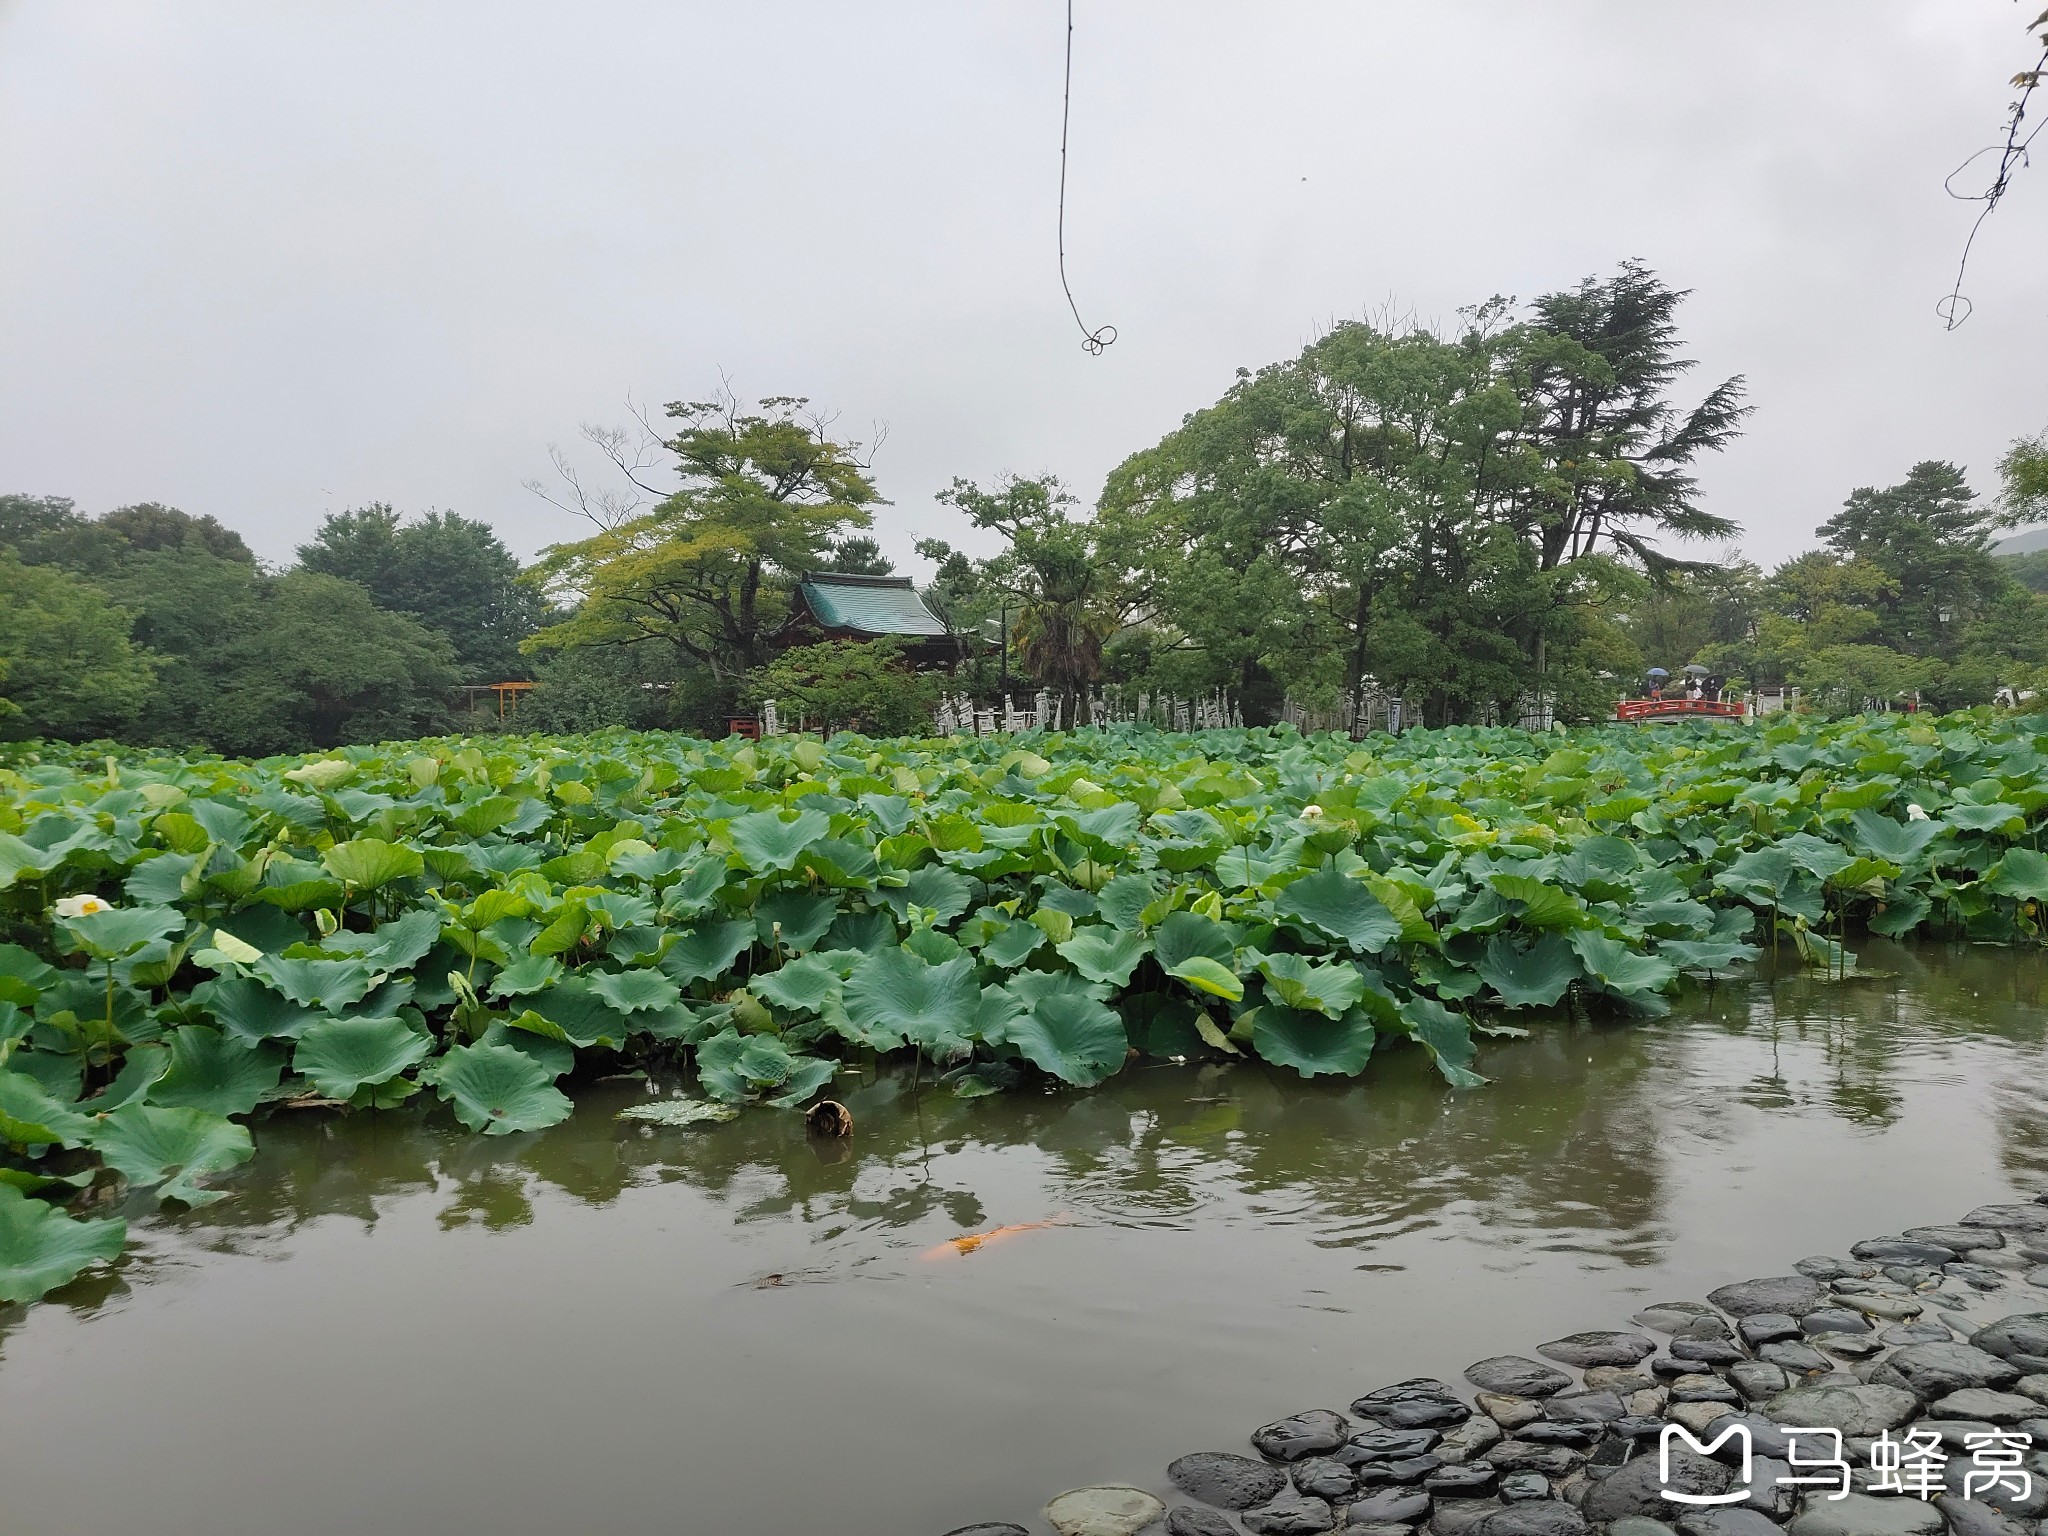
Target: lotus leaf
1298	982
370	863
803	919
171	1149
1102	953
894	994
1341	907
118	931
342	1056
1619	968
679	1112
41	1248
635	991
1076	1039
768	843
30	1115
2022	873
498	1090
707	950
215	1072
1313	1043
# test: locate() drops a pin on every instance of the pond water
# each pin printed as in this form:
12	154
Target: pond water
394	1325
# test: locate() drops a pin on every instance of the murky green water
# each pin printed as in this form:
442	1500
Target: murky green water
396	1326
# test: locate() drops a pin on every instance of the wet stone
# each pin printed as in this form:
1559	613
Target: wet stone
1707	1351
1848	1346
1861	1515
1469	1439
1854	1410
1324	1478
1598	1348
1961	1238
1932	1371
1978	1277
1313	1433
2038	1276
1528	1456
1671	1316
1291	1514
1459	1516
1389	1444
1823	1267
1732	1521
989	1528
1357	1527
1899	1250
1637	1426
1393	1506
1795	1294
1616	1378
1470	1481
1509	1412
1704	1389
1892	1309
1578	1436
1404	1391
1103	1511
1758	1379
1638	1489
1927	1331
1226	1480
1418	1412
1765	1327
1516	1376
1638	1525
1547	1518
2021	1339
1410	1469
1517	1487
1187	1520
2035	1387
2010	1218
1981	1403
1834	1320
1970	1517
1798	1359
1584	1408
1697	1417
1953	1433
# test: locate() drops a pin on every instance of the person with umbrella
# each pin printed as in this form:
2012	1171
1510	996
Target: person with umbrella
1697	689
1657	676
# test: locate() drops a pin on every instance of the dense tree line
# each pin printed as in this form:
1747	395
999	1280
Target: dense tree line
1469	518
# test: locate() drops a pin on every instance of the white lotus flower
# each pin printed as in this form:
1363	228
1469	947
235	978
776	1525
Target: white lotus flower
1915	813
1311	813
81	906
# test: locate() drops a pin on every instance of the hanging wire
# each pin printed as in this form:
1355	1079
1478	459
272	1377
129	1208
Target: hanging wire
2012	155
1092	342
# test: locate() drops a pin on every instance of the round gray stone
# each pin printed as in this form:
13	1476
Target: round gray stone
1731	1521
1226	1480
1637	1487
1390	1506
1316	1432
1584	1349
2022	1339
1324	1478
1858	1410
1982	1403
1292	1514
1638	1525
2009	1218
1516	1376
1931	1371
1547	1517
1795	1294
989	1528
1973	1517
1961	1238
1900	1250
1189	1520
1862	1515
1109	1510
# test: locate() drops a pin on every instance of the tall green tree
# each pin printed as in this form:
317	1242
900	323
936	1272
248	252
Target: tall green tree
706	575
71	670
1930	536
450	573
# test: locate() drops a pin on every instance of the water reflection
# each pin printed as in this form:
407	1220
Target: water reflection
1222	1226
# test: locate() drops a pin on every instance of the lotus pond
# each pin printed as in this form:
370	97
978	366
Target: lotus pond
392	1323
195	944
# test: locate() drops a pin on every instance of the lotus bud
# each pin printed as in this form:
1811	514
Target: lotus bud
326	922
1915	813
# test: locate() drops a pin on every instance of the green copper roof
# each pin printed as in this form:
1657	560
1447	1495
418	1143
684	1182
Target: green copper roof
869	605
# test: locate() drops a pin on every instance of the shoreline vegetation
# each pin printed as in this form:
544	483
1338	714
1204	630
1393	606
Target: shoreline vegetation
190	943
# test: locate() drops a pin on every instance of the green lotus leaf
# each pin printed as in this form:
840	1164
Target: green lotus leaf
945	891
1818	857
1209	976
30	1115
1014	945
1184	935
1996	817
171	1149
633	992
707	950
394	946
1122	902
1102	953
328	984
1446	1036
1341	907
768	843
1108	831
160	881
1303	984
139	1073
1076	1039
250	1012
1619	968
679	1112
527	974
803	917
802	985
2022	873
342	1056
894	993
575	1010
1535	976
1313	1043
118	931
498	1090
1899	916
1543	905
1900	842
806	1076
370	863
215	1072
41	1248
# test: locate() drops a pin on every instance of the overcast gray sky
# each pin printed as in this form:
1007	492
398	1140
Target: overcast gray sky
268	261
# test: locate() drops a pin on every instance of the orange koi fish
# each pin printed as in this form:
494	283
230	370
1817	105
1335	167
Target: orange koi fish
968	1244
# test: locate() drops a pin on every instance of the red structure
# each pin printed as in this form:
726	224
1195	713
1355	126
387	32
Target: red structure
1650	711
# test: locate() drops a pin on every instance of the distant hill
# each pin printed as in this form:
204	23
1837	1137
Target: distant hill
2022	543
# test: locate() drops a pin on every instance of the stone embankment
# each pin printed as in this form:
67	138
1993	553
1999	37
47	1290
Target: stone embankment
1940	1333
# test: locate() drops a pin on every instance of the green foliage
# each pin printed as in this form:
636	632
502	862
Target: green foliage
41	1248
481	917
847	685
71	670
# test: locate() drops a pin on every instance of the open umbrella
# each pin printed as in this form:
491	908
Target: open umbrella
1694	669
1658	672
